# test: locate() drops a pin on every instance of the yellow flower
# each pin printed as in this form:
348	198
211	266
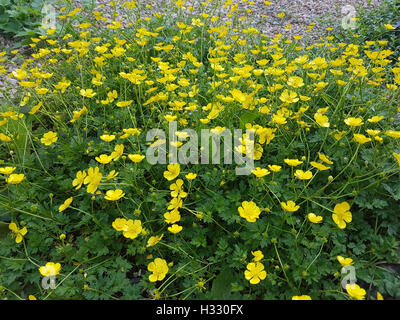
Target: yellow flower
258	255
4	138
312	217
274	168
389	27
113	195
118	151
301	175
259	172
41	90
319	166
132	229
122	104
293	162
177	189
393	134
112	174
107	138
7	170
295	82
93	176
342	214
354	122
65	205
119	224
289	96
249	211
159	269
31	297
397	156
290	206
88	93
345	261
303	297
172	172
360	138
172	216
324	158
375	119
175	203
191	176
104	159
255	272
322	120
78	181
35	108
175	228
15	178
50	269
19	233
136	157
379	296
154	240
355	291
169	118
49	137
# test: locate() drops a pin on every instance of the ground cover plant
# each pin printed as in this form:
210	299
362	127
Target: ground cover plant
85	215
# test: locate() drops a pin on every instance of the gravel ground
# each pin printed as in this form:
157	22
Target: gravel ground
298	13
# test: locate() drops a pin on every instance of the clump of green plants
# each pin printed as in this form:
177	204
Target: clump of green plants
20	18
85	213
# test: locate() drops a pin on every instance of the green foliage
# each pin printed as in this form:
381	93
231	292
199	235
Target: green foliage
20	18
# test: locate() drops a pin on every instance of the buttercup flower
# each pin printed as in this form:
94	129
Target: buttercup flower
172	216
175	228
303	297
290	206
191	176
255	272
249	211
132	229
319	166
259	172
78	181
15	178
345	261
397	156
301	175
355	291
50	269
154	240
312	217
172	172
113	195
159	269
342	214
353	122
136	157
293	162
19	233
360	138
65	205
258	255
119	224
49	138
7	170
